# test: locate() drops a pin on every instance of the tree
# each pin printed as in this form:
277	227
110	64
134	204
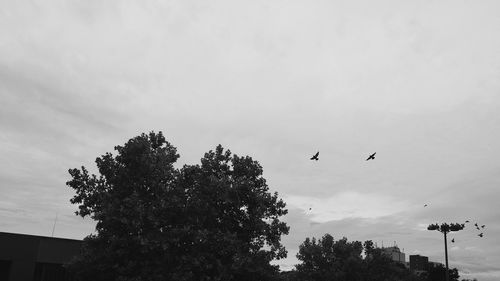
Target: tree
326	259
214	221
377	265
438	273
288	275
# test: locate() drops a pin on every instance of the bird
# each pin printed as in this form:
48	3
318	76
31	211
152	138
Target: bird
476	224
466	221
371	157
482	226
425	205
310	209
315	156
453	240
480	234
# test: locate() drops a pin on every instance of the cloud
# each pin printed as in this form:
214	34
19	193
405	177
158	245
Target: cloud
347	204
416	82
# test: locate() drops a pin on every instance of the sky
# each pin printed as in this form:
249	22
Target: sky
418	82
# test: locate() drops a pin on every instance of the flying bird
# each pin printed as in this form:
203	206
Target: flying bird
453	240
482	226
466	221
315	156
425	205
371	157
476	224
480	234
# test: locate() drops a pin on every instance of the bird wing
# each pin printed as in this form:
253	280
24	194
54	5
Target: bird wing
371	156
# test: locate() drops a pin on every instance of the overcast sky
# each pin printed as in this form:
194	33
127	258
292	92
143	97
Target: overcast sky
418	82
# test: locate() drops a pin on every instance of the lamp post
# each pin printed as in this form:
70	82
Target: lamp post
445	228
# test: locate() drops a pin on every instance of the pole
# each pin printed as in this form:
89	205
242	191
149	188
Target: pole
446	256
54	227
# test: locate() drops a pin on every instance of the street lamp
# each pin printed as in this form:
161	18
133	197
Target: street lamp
445	228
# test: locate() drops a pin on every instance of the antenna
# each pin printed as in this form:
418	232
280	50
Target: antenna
54	227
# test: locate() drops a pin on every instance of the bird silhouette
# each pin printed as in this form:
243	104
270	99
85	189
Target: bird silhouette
310	209
482	226
371	157
476	224
315	156
466	221
453	240
480	234
425	205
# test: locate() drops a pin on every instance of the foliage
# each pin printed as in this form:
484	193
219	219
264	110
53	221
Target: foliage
288	275
326	259
377	265
213	221
438	273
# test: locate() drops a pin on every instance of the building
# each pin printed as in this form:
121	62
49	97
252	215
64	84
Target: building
419	263
434	264
395	254
35	258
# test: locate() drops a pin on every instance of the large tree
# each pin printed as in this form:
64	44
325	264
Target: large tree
212	221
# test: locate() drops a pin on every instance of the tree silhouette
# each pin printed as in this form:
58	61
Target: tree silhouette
436	273
213	221
326	259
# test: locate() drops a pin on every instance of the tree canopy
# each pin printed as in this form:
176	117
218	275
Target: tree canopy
215	220
438	273
343	260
